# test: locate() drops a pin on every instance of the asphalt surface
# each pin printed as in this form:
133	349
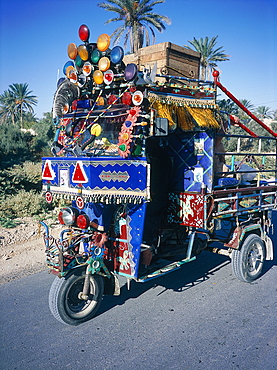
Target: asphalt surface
199	317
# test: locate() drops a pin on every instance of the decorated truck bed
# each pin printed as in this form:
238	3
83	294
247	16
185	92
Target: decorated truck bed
141	166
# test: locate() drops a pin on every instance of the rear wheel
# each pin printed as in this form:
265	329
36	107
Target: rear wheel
247	263
64	301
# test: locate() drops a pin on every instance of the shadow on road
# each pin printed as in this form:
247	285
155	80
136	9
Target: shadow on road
188	276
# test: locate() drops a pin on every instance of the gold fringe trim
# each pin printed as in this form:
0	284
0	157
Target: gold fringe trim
186	116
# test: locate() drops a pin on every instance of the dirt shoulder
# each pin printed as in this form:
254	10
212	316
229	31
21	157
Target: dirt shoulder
22	250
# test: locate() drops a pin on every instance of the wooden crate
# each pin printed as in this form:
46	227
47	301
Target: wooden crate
171	59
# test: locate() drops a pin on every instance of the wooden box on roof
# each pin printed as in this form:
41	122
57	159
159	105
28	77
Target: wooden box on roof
171	59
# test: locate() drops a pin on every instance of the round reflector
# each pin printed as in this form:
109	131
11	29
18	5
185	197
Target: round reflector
126	98
83	221
87	68
117	54
84	32
96	129
68	215
130	72
78	61
137	98
83	52
104	64
72	51
95	56
108	77
67	64
98	77
103	42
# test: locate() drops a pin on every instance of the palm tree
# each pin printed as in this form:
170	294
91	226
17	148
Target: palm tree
23	99
138	19
248	105
7	107
228	106
263	112
209	55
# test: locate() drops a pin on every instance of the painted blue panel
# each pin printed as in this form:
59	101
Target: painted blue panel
192	154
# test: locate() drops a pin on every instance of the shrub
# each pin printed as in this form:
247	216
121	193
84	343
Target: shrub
23	204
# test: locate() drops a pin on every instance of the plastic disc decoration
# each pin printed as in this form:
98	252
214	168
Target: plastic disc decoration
83	52
117	54
137	98
68	70
100	101
72	51
79	62
103	42
95	56
60	81
96	129
84	32
108	77
98	77
112	98
104	64
67	64
130	72
73	76
126	98
87	68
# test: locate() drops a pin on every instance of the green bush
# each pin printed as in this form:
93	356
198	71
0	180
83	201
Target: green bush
23	204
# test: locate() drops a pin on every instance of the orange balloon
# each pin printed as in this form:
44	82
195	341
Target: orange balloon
103	42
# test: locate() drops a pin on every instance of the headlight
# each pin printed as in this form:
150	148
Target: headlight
67	216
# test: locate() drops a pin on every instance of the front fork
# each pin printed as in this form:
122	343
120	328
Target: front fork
84	294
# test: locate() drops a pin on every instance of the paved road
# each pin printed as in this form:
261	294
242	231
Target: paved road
199	317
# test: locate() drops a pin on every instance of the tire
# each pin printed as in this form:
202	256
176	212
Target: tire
247	263
64	303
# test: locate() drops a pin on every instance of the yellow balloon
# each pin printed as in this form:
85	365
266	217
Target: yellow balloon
98	77
103	42
96	129
104	64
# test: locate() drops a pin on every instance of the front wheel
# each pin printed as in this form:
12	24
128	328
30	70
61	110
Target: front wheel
247	263
64	301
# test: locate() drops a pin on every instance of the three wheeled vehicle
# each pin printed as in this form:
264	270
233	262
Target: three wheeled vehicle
142	159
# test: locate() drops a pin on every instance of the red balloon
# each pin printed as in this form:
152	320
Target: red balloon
84	32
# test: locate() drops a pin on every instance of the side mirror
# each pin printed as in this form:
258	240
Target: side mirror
161	127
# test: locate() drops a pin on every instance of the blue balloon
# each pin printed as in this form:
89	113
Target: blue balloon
117	54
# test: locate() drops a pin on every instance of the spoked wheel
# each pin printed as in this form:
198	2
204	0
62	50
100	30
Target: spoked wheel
64	298
247	263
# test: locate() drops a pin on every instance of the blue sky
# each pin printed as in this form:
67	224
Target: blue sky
34	35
